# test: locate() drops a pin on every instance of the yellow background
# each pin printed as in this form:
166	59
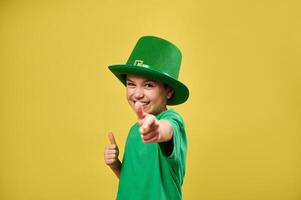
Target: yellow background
241	61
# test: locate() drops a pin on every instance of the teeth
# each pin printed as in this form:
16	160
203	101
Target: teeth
143	103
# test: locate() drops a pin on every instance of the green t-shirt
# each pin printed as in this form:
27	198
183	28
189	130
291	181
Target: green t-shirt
154	171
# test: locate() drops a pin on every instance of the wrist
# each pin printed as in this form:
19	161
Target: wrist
116	165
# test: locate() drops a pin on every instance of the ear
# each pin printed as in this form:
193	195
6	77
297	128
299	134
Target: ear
170	92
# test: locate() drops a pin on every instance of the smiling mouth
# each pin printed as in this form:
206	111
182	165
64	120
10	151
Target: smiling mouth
142	103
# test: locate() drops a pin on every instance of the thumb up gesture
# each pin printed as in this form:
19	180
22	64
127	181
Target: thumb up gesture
111	151
149	125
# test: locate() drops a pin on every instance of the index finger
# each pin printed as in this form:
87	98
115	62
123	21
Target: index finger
139	110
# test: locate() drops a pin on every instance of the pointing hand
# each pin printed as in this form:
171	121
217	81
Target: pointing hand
149	125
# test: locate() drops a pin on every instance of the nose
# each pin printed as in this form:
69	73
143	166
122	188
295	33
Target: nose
139	93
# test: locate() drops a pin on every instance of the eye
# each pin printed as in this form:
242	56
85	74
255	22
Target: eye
149	85
130	84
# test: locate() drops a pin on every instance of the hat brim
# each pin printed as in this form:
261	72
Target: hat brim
181	92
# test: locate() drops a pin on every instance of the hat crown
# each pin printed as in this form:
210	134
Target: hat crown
157	54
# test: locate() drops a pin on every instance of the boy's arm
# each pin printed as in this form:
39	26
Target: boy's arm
165	131
111	155
116	168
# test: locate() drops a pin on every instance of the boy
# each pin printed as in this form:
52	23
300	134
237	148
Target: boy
153	165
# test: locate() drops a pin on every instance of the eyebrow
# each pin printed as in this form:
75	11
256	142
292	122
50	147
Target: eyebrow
147	80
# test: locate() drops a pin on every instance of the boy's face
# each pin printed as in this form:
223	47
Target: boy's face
153	95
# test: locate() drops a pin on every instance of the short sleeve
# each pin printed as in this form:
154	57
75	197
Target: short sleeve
175	148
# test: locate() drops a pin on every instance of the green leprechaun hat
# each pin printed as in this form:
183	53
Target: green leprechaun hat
156	59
